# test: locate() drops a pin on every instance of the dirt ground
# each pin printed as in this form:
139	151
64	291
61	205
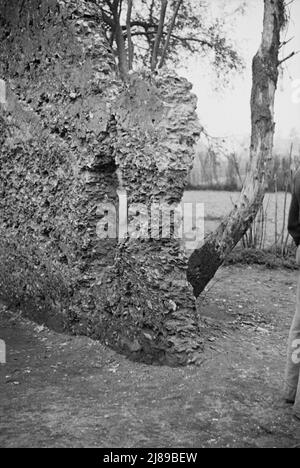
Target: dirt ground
62	391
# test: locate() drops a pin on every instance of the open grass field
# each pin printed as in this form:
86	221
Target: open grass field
217	204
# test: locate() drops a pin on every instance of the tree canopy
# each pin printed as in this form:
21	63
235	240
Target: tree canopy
153	32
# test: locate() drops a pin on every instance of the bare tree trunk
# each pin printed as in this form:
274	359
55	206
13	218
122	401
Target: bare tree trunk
286	191
122	56
164	4
205	261
276	213
129	38
167	42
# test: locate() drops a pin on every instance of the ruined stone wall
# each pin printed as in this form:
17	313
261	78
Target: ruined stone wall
57	159
68	125
157	128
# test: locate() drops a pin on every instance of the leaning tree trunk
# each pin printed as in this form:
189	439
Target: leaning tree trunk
205	261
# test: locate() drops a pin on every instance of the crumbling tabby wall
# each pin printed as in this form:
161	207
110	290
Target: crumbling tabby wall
67	124
156	132
57	160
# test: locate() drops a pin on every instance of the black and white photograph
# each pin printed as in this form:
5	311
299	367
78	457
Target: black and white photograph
149	227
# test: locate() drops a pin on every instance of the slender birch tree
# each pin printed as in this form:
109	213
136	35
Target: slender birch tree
205	261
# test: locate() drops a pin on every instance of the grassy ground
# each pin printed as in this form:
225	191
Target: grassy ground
61	391
267	258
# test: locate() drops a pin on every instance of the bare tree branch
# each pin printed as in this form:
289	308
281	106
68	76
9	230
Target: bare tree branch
174	36
292	54
142	24
286	42
192	39
289	3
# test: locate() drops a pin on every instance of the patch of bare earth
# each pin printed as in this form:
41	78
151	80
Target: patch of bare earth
62	391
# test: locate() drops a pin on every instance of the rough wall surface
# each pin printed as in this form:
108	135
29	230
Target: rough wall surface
68	124
157	129
57	158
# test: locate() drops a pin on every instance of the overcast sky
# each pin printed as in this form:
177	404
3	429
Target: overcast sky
228	112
